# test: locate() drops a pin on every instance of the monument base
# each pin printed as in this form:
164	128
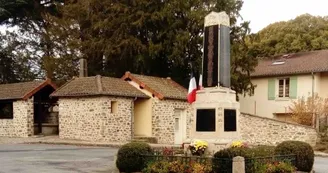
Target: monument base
215	117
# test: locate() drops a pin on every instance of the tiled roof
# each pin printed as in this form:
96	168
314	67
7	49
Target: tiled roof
22	90
97	85
297	63
159	87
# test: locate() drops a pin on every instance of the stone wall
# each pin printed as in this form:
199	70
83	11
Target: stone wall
90	118
22	123
266	131
52	115
163	119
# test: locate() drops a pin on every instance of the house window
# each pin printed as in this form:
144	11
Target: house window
114	107
230	120
205	120
284	87
6	110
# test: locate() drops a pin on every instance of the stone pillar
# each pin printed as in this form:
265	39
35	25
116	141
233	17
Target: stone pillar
238	165
216	58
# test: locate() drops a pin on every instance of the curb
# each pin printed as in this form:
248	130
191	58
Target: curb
89	144
320	154
76	144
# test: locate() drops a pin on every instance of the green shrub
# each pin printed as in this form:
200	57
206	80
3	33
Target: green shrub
222	160
177	167
262	151
277	167
129	156
157	167
303	151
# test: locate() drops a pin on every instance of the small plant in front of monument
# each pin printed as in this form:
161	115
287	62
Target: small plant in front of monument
198	147
239	144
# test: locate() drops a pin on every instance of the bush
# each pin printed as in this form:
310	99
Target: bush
303	151
277	167
222	160
157	167
129	156
177	167
262	151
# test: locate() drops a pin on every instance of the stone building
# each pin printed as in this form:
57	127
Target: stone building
24	109
167	114
119	110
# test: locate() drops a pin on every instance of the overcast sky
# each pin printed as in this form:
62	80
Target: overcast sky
263	12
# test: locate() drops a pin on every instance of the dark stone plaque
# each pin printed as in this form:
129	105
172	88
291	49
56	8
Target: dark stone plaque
210	59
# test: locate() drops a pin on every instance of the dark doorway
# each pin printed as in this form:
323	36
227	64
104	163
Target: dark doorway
42	110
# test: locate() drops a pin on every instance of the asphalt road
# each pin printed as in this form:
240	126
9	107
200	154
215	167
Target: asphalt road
321	165
26	158
21	158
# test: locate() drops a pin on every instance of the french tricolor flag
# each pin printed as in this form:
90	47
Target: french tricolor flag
200	82
192	89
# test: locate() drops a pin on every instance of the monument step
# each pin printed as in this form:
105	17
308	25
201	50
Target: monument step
147	139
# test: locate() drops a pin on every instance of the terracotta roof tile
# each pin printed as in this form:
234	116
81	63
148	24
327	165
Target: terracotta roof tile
97	85
160	87
15	91
297	63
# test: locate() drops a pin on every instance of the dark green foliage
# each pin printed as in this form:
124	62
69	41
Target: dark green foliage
304	33
222	160
159	38
303	151
129	157
262	151
276	167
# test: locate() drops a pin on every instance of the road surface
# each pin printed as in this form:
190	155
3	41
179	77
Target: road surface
24	158
321	165
32	158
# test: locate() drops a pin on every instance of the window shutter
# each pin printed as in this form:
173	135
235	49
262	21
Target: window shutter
293	87
271	89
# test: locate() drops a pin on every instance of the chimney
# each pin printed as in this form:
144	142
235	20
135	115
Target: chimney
83	68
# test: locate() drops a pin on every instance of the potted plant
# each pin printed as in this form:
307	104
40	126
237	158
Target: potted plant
198	147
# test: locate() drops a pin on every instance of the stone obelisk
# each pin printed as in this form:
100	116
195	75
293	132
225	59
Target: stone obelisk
216	57
216	111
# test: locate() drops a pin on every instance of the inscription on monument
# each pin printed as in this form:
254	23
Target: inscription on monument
210	57
210	61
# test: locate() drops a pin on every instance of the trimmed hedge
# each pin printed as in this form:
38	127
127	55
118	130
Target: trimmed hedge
303	151
222	161
129	156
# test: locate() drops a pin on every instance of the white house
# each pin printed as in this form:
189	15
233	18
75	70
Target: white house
281	79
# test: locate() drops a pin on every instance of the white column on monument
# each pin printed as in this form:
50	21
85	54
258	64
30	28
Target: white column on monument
217	19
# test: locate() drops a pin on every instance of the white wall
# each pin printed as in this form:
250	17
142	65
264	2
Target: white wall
324	85
260	105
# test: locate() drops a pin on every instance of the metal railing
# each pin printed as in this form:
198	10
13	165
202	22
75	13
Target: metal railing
253	164
220	165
